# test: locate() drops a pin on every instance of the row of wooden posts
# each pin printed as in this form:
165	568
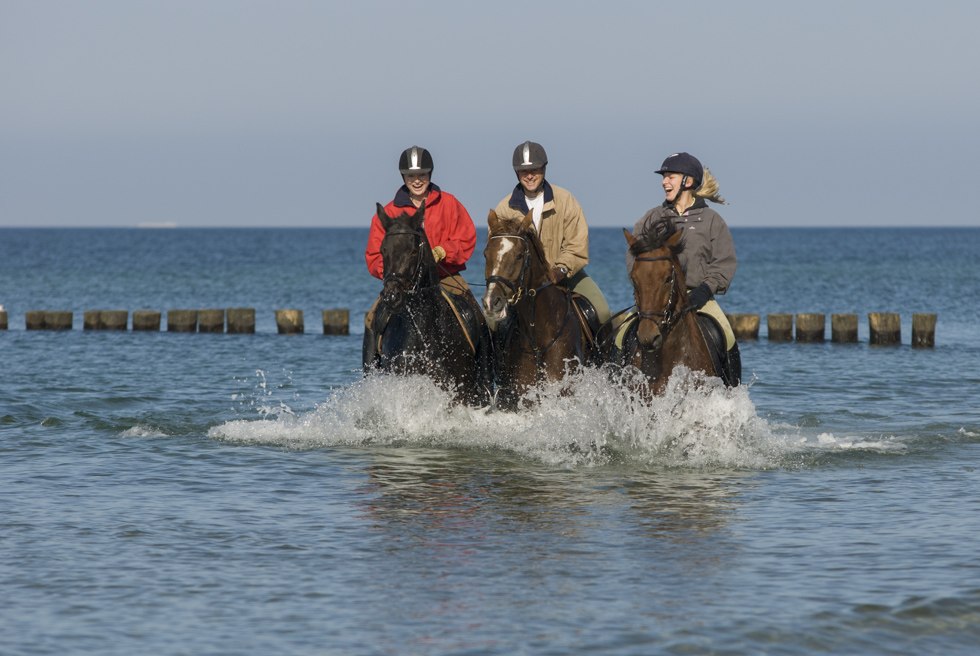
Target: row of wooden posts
884	328
232	320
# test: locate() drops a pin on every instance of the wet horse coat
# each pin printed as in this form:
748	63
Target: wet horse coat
419	331
539	335
667	331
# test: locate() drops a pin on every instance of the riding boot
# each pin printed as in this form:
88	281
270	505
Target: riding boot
733	366
369	350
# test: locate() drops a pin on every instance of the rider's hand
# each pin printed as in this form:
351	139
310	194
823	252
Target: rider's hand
559	273
439	253
698	296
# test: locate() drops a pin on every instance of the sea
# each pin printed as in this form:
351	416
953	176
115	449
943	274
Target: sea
189	493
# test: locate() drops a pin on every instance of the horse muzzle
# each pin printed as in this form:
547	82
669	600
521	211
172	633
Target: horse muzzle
494	305
649	336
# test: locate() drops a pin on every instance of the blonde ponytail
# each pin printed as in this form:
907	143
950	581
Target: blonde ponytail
709	189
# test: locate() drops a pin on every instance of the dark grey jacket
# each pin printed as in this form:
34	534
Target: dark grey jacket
709	251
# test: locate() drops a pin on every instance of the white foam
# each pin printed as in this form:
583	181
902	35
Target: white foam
140	430
588	419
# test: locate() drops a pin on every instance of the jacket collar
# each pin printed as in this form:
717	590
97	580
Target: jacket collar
404	199
518	202
699	205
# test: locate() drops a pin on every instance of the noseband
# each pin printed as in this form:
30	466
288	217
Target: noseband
669	316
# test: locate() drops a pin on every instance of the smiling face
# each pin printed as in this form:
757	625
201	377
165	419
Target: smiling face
418	184
674	186
531	180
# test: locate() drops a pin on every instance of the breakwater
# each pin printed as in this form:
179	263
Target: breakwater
884	328
335	321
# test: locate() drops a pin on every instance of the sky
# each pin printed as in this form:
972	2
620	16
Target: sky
285	113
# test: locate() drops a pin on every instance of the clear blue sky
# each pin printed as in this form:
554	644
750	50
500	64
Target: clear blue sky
293	113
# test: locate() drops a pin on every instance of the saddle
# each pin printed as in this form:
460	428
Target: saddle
587	316
728	364
468	316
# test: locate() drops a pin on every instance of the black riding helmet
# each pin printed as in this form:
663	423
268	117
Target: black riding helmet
415	161
529	156
685	164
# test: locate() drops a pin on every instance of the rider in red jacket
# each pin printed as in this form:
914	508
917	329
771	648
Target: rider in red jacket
448	227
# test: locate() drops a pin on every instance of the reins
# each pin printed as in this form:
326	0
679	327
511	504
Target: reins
519	290
668	318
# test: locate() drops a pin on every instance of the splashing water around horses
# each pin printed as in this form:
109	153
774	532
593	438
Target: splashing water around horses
666	332
419	330
539	333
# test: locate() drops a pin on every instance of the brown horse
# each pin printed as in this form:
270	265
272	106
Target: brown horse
539	335
667	331
418	330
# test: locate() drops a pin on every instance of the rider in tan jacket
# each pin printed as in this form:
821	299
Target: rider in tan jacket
559	220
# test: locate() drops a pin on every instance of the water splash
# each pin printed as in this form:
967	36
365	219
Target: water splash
591	418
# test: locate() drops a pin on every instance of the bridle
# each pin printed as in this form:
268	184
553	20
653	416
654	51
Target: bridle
516	288
519	289
407	284
670	315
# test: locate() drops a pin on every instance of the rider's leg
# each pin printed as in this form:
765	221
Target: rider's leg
369	349
582	284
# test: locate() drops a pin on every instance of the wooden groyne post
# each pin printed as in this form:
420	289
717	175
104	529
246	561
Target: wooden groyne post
780	327
211	321
810	327
844	328
289	322
182	321
885	328
48	320
745	326
3	320
336	322
923	330
105	320
146	320
241	320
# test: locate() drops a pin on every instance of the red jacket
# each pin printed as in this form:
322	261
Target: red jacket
447	224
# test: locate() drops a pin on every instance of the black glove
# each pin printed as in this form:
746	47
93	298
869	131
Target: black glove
698	296
559	273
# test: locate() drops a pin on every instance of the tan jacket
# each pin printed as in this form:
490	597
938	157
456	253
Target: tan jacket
564	233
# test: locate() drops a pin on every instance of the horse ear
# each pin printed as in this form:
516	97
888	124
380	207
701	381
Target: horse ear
383	217
675	238
493	221
528	220
630	239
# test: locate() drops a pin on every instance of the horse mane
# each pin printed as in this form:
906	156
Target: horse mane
655	234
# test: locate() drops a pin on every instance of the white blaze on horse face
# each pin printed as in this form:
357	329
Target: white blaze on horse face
506	246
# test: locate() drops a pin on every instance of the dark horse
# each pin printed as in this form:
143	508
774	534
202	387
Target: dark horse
418	326
539	334
666	331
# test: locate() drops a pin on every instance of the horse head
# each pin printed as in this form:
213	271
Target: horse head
658	281
408	262
514	263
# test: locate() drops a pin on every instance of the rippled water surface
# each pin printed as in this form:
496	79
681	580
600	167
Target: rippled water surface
226	494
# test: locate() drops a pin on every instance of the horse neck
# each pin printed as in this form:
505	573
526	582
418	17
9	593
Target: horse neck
537	274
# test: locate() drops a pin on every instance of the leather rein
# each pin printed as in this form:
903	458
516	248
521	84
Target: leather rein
519	289
669	316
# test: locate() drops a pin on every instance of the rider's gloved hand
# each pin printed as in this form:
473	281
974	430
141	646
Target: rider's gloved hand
559	273
439	253
698	296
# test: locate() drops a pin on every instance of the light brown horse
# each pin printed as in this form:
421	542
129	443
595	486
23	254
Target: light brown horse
666	333
539	336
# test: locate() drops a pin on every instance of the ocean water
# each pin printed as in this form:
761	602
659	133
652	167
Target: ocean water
248	494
